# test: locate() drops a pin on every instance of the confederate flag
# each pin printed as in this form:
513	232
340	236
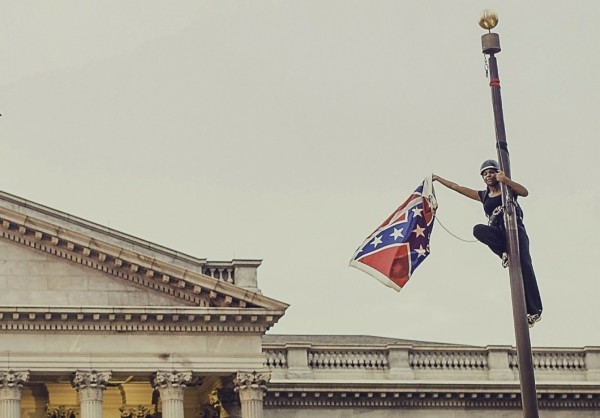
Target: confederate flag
395	249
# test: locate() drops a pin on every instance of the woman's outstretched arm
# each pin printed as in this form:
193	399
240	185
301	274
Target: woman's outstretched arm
465	191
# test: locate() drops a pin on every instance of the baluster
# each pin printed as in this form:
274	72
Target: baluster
331	356
269	355
364	360
272	359
439	360
344	360
339	361
318	359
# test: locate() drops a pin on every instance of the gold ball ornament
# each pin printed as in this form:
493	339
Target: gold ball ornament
488	19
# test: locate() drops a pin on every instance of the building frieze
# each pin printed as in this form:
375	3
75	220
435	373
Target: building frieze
135	319
424	395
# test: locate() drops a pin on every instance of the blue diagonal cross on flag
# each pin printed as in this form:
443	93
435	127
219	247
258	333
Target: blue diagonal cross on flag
395	249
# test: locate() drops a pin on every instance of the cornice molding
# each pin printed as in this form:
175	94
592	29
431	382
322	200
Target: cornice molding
434	396
136	319
25	208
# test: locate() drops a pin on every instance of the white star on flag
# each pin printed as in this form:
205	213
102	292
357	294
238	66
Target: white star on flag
421	251
417	211
397	233
376	241
419	231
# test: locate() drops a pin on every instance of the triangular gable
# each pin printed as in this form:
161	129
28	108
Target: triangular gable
30	277
164	273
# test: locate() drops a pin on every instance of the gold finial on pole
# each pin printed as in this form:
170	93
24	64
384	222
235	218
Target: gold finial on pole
490	42
488	19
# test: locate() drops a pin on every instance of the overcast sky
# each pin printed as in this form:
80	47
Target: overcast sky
288	130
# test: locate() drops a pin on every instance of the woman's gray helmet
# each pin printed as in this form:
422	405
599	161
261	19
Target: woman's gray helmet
487	164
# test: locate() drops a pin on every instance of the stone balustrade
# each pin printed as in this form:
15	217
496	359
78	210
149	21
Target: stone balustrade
554	360
276	358
224	273
239	272
347	359
448	359
435	362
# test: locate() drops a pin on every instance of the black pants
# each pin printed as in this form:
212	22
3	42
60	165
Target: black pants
495	238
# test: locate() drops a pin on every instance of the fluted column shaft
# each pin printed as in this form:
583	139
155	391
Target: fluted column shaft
11	384
10	402
170	385
251	401
90	386
251	387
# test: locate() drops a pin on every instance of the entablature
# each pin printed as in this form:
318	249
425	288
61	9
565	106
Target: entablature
136	319
464	395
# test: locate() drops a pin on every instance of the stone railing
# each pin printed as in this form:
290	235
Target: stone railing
276	358
239	272
220	271
347	359
448	359
397	361
554	360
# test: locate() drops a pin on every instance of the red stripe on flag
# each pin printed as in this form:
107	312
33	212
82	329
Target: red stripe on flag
392	262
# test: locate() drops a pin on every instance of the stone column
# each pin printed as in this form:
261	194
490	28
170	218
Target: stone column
11	383
251	387
170	385
90	385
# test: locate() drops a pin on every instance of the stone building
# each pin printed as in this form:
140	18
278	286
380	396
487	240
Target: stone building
96	323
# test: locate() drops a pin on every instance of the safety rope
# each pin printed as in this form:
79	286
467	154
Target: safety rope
455	236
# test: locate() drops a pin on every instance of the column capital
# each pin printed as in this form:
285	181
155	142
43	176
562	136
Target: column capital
13	378
171	379
83	379
170	385
251	380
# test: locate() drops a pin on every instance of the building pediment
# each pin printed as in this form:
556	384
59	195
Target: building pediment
150	285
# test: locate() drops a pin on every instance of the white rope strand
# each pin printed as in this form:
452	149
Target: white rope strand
455	236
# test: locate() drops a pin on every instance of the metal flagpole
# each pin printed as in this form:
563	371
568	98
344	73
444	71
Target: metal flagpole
491	45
